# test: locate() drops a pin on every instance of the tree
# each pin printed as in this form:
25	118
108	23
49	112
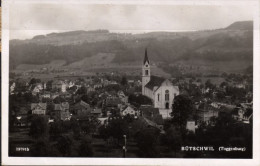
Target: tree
220	95
117	128
173	139
34	81
49	85
85	98
138	100
198	80
88	125
75	127
223	84
42	148
64	145
82	90
58	100
124	81
147	142
208	84
181	109
56	129
85	148
39	127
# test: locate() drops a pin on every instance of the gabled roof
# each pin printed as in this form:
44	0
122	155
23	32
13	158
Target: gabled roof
81	105
146	57
62	106
235	111
248	112
96	111
155	81
149	111
113	101
157	119
130	106
41	105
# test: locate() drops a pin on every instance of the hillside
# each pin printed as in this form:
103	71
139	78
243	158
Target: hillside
233	43
241	25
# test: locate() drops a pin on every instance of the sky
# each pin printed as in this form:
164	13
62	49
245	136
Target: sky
28	20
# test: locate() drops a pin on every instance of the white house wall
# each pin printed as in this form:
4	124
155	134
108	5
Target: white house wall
161	90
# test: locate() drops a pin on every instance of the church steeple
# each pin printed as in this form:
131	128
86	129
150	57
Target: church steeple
146	73
146	57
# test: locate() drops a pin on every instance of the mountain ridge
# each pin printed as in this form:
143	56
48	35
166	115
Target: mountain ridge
233	42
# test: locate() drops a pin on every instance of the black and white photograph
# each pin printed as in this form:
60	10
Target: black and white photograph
130	80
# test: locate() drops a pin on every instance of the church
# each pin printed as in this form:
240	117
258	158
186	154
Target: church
160	90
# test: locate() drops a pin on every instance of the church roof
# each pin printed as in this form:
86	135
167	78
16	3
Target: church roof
146	57
155	81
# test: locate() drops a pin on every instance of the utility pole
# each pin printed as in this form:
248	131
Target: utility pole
124	147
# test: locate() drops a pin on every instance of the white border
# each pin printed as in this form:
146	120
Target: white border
121	161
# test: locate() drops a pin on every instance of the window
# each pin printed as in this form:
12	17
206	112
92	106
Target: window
146	72
158	97
174	94
167	95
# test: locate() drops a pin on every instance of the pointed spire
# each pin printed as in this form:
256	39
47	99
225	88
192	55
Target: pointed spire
146	57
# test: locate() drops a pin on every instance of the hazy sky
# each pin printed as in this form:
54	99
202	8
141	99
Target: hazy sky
28	20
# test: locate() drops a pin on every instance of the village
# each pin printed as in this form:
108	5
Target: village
113	115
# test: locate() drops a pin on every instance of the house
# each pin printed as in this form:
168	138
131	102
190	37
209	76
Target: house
205	90
36	88
60	85
90	89
38	108
248	115
151	123
153	114
138	83
73	89
96	112
46	95
122	97
161	91
197	83
61	111
205	112
12	87
249	96
112	101
44	85
98	86
120	93
103	121
71	84
191	125
129	110
243	113
239	85
81	108
131	81
88	80
66	95
54	95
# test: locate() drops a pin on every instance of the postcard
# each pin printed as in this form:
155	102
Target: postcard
130	83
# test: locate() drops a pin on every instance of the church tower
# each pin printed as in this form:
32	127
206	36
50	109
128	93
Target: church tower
146	75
